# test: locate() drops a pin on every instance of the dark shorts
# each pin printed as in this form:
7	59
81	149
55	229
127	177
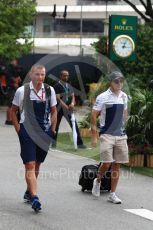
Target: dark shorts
30	151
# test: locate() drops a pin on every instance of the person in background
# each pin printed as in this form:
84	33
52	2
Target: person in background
65	105
13	81
3	85
37	104
111	105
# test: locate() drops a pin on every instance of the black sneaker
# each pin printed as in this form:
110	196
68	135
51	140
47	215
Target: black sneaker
82	146
27	197
36	205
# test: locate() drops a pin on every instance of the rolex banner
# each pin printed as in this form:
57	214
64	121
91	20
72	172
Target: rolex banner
122	37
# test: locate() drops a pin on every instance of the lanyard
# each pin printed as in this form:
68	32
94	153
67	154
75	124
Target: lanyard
42	95
66	87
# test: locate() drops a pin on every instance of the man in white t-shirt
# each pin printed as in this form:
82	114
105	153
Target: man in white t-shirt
111	105
36	102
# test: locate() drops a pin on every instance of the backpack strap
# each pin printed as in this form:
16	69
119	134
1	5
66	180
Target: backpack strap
27	93
48	91
27	90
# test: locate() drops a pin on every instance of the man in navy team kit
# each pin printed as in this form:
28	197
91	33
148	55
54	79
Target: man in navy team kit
111	105
37	104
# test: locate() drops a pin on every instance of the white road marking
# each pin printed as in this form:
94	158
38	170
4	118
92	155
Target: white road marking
145	213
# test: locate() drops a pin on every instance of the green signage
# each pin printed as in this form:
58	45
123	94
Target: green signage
122	37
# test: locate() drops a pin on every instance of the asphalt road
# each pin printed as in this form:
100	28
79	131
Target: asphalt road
64	206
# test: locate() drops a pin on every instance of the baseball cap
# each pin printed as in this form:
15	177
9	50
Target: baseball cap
115	75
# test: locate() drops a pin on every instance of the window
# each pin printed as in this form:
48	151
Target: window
93	26
47	25
69	25
73	25
95	2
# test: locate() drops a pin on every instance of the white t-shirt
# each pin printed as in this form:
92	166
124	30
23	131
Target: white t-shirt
109	105
19	96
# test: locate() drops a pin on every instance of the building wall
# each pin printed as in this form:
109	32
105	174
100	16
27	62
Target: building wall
90	10
57	2
83	2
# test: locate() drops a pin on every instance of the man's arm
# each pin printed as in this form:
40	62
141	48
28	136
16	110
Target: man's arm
14	110
61	102
71	106
53	118
125	116
94	115
125	113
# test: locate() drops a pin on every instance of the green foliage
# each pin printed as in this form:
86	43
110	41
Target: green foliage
65	143
143	171
86	122
15	16
135	149
142	67
140	123
103	85
102	45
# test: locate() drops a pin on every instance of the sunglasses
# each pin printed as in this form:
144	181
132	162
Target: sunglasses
118	81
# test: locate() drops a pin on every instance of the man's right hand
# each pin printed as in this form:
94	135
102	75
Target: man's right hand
14	110
71	107
94	136
17	128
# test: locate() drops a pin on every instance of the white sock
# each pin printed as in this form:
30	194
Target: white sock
112	193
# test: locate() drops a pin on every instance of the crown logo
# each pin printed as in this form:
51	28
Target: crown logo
124	21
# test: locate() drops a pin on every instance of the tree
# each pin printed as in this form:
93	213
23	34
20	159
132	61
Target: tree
15	16
148	15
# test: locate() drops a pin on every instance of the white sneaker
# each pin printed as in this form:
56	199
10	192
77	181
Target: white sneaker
114	199
96	188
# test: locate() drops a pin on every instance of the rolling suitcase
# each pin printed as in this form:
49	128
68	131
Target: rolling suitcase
89	173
